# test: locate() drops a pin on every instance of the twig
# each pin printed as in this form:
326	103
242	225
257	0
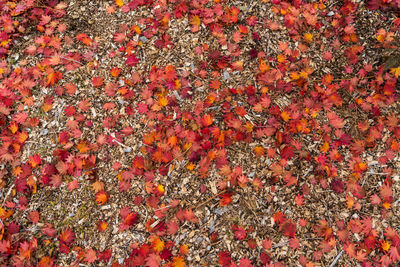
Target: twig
121	144
209	199
73	60
377	173
8	193
165	207
183	153
280	244
44	6
336	259
247	10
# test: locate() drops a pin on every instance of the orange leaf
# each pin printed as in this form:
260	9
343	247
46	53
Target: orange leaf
67	236
207	120
98	186
102	226
183	250
82	147
172	141
158	244
101	197
325	147
215	84
395	72
385	246
225	200
35	160
308	37
115	72
259	151
263	66
285	116
53	77
178	262
97	81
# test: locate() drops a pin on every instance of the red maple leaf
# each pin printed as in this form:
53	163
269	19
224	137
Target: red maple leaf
335	120
97	81
288	228
35	160
224	258
239	232
394	253
131	219
386	192
245	262
294	243
67	236
267	244
172	227
287	152
226	199
90	255
53	77
279	217
153	260
132	60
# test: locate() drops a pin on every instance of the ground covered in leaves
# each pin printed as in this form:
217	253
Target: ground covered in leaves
199	133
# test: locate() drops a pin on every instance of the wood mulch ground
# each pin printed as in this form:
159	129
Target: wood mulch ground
250	208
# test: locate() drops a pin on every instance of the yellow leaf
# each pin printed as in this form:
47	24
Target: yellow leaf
195	20
308	37
385	246
160	189
163	101
386	205
190	166
119	3
294	76
13	127
395	71
158	244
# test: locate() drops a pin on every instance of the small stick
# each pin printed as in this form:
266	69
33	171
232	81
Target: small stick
336	259
70	59
209	199
183	153
280	244
8	193
119	143
247	10
165	207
